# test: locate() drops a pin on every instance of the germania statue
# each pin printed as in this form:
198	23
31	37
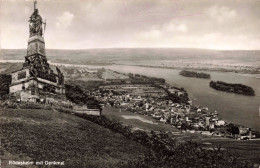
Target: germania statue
35	23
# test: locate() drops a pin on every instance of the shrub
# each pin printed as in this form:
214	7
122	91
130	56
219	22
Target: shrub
25	105
77	94
5	81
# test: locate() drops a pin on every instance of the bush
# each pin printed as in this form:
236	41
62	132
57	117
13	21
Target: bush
5	81
77	94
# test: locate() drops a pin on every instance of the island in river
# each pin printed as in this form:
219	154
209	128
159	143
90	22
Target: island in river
194	74
233	88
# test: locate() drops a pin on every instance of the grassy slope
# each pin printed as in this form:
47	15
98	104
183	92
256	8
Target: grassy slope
49	135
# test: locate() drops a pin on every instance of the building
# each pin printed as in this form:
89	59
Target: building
37	80
207	121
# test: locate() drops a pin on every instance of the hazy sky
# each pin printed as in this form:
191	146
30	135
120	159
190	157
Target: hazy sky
82	24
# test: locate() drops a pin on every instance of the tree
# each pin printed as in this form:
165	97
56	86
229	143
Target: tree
233	129
5	81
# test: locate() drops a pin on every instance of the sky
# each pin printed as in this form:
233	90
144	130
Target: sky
85	24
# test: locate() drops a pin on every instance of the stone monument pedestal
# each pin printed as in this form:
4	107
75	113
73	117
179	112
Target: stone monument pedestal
37	80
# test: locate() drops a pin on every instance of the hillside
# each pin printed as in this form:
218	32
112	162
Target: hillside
43	135
235	147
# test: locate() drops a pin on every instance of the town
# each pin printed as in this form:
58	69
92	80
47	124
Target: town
155	98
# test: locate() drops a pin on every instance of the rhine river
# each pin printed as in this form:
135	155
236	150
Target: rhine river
238	109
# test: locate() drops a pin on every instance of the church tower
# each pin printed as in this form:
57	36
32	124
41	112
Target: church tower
37	80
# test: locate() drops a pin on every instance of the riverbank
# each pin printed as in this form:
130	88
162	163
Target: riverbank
172	107
246	112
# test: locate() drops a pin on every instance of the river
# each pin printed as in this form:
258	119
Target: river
238	109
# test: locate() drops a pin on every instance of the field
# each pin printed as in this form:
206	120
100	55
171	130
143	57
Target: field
7	68
140	123
42	135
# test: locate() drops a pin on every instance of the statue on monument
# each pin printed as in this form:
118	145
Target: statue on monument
35	23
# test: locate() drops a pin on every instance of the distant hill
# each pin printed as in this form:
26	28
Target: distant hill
121	55
239	61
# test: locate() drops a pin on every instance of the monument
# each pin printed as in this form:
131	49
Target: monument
37	80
